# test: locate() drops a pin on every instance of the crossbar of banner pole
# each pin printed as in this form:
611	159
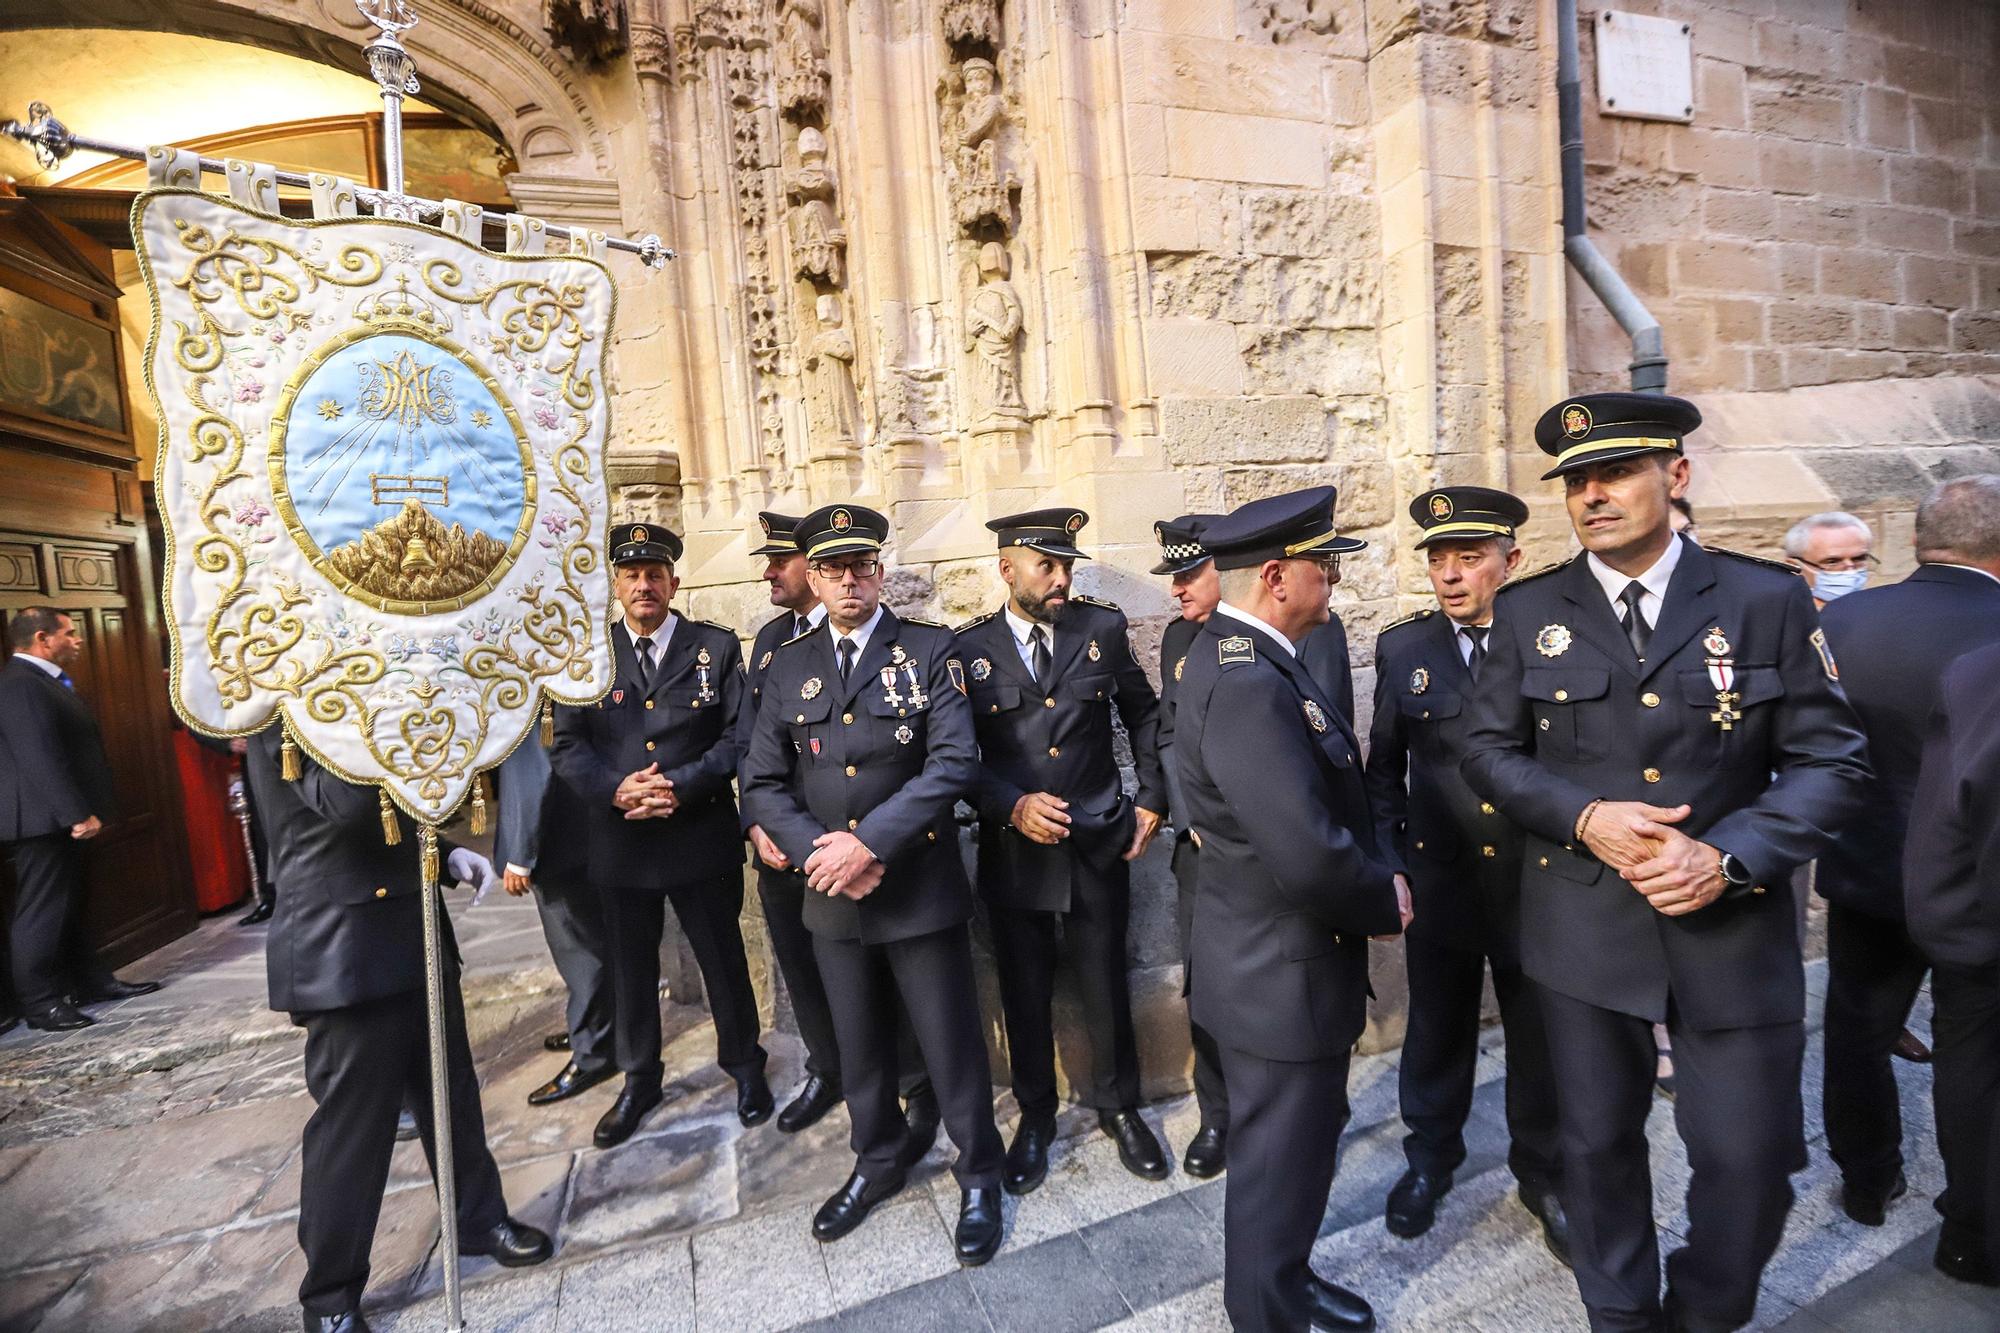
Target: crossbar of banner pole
54	141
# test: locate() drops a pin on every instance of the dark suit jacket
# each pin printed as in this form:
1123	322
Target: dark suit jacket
534	800
687	723
349	926
763	651
1951	862
1057	740
53	773
1291	881
1891	646
829	756
1566	713
1324	651
1463	856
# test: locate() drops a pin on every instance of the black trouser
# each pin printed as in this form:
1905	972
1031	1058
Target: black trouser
51	956
1025	946
1211	1094
1284	1139
1739	1112
635	920
1441	1050
782	894
1965	1045
929	977
364	1063
573	923
1873	973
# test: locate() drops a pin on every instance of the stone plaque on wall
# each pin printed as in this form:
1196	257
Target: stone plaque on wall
1645	67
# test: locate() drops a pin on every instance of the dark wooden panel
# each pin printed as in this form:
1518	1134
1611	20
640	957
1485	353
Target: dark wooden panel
86	569
20	568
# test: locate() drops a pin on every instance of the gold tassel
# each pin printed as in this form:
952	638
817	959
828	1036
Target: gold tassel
548	724
288	759
392	828
430	857
478	805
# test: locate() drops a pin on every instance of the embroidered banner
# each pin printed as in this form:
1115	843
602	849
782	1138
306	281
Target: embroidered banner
381	473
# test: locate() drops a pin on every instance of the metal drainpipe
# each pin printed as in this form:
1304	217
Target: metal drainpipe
1649	354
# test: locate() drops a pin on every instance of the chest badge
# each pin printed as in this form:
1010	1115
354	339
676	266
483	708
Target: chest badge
897	654
617	696
764	662
1093	652
981	668
1180	666
1717	643
701	665
703	658
1316	716
904	735
1553	641
1420	680
811	689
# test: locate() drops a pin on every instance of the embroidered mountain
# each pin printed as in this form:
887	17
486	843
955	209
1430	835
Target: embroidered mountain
415	558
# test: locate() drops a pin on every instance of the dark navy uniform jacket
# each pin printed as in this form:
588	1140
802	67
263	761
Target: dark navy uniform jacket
686	722
1464	856
1951	865
348	928
1891	646
1324	651
1291	881
53	772
763	651
1565	713
884	761
1057	740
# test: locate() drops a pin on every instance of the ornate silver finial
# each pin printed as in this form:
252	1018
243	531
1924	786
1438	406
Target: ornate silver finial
393	67
391	16
653	253
49	137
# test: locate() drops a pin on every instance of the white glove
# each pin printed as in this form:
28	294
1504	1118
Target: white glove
469	867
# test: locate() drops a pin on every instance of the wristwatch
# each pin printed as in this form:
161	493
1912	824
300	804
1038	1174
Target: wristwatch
1733	870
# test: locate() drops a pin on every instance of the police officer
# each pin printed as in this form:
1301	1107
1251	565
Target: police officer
862	746
1056	830
345	959
1663	723
652	763
1292	884
1465	870
1196	589
1893	644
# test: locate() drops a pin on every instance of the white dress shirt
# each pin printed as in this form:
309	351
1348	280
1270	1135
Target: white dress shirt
55	672
660	638
1654	581
1240	614
1024	644
1462	636
859	635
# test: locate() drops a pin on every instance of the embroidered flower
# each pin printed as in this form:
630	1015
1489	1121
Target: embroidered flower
249	391
557	524
481	418
329	410
403	647
252	512
444	645
545	417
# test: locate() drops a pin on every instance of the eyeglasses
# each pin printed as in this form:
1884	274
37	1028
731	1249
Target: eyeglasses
861	569
1840	562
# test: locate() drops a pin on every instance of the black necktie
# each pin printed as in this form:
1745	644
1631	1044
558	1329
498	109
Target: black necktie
1634	621
643	650
1476	635
800	625
1039	656
846	647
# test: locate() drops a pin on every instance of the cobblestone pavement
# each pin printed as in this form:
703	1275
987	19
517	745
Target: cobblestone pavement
150	1166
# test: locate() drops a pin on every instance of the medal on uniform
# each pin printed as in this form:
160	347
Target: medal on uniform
1717	643
904	735
765	661
912	672
1093	652
618	696
1553	641
1316	716
889	695
1722	674
981	668
814	742
811	689
1180	666
897	655
1420	680
701	661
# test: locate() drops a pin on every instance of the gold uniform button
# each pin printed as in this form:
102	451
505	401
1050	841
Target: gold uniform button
1427	713
899	712
1562	696
1489	850
649	703
851	770
932	835
1545	862
1055	751
1420	847
1486	807
847	719
1544	724
381	893
1650	699
994	708
1336	939
802	717
1651	775
695	704
853	824
1756	888
1048	703
651	746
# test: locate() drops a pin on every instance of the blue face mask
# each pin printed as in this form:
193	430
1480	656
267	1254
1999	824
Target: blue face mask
1831	584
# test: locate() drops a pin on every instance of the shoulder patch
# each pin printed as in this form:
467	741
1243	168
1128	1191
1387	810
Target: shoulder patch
1088	600
807	635
975	622
1236	648
1543	572
1752	559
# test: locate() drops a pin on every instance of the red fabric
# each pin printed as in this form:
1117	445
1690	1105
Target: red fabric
215	838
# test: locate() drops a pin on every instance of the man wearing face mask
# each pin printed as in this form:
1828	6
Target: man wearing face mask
1893	645
1833	553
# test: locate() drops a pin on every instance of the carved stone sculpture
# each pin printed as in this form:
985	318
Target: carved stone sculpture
992	335
818	240
980	186
831	405
802	77
972	24
593	31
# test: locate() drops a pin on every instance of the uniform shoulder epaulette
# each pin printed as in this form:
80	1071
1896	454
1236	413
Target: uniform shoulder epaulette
807	635
927	624
975	622
1088	600
1416	619
1543	572
715	625
1779	565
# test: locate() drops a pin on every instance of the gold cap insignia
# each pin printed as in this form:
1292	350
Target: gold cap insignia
841	520
1440	507
1076	523
1576	421
639	534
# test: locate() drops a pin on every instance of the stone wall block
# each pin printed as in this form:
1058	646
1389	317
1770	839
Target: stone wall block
1193	356
1938	282
1975	331
1217	287
1259	150
1197	431
1885	119
1921	182
1798	109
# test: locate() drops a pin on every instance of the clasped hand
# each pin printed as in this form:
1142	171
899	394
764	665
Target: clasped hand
1676	873
842	865
646	794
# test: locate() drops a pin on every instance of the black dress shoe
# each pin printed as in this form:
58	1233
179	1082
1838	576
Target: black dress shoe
754	1102
1962	1256
1413	1202
259	914
921	1115
814	1100
617	1124
850	1207
1027	1163
347	1321
1546	1205
568	1083
1337	1307
556	1042
62	1016
1870	1207
1207	1154
511	1244
107	987
978	1233
1138	1149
